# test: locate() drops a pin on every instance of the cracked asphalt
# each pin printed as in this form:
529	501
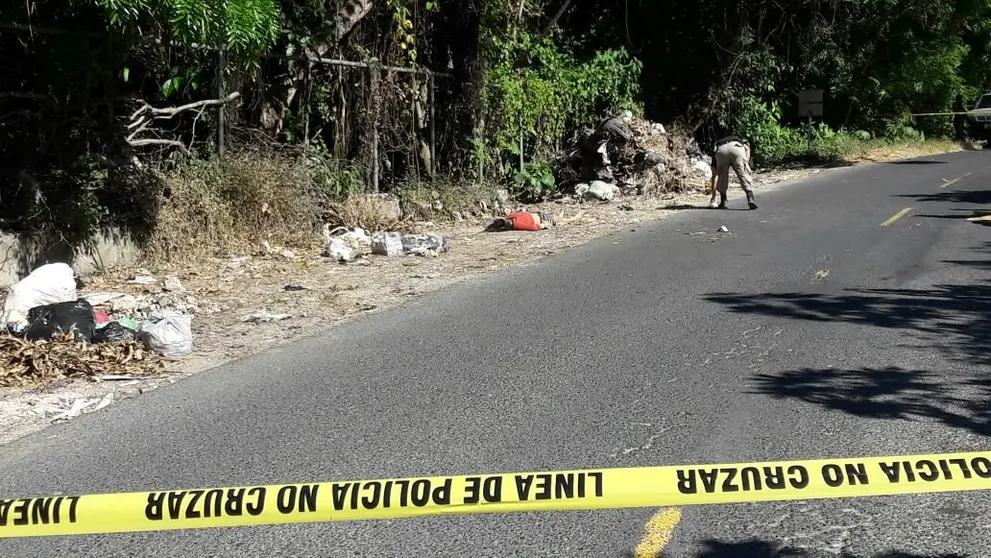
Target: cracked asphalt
808	331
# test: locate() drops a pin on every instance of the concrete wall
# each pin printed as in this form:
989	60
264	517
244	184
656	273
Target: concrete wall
21	254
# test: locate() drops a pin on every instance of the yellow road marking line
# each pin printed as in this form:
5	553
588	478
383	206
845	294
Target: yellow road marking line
896	217
948	183
657	533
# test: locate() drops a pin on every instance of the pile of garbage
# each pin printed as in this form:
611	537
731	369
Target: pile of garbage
47	325
625	155
356	243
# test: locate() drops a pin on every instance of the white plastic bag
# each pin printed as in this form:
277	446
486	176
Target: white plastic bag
49	284
602	190
387	244
338	249
169	334
357	236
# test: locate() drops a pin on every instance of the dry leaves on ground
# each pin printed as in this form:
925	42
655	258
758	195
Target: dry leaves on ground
25	363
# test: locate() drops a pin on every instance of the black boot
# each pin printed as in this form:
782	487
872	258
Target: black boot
750	200
722	201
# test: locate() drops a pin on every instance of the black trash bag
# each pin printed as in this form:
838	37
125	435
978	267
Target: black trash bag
45	322
114	333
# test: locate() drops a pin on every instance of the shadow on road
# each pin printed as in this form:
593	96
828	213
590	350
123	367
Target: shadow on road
887	393
916	162
952	320
684	206
953	196
767	549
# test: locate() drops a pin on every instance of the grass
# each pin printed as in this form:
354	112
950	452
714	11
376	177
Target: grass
846	150
228	205
218	207
445	199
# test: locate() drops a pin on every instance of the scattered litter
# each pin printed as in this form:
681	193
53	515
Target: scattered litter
292	287
114	332
106	401
394	244
387	244
422	244
821	274
599	190
100	317
48	321
77	407
173	284
357	235
99	299
126	304
169	334
288	254
265	317
143	280
338	249
627	206
117	377
723	229
49	284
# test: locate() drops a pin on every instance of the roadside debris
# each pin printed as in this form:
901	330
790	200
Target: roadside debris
48	321
143	280
173	284
632	156
265	317
421	244
81	404
49	284
114	332
169	334
338	249
24	362
387	244
723	229
346	247
395	244
598	190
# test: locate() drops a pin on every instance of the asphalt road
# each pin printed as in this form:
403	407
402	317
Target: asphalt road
810	330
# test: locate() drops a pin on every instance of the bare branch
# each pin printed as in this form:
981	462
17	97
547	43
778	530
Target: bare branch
142	118
151	141
172	111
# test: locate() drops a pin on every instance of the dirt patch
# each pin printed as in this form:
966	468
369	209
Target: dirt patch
300	292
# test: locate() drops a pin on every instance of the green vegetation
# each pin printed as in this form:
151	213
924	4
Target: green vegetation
528	72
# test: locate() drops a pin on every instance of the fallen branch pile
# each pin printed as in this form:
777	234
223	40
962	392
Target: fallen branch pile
26	363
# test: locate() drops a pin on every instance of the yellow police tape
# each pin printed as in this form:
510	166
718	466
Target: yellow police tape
508	492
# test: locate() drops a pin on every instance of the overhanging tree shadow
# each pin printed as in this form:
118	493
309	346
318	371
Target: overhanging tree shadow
952	320
887	393
979	197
